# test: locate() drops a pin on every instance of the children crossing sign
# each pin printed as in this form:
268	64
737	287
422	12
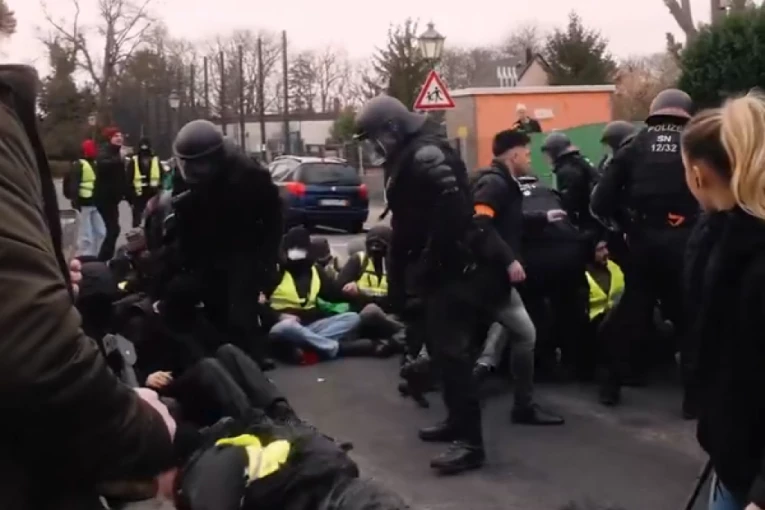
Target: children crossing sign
434	95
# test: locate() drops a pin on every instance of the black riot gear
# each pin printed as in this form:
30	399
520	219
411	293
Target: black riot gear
557	145
199	149
647	178
384	123
672	103
616	133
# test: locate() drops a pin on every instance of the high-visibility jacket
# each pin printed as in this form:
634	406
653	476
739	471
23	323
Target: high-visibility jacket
600	301
262	460
369	283
139	181
87	180
285	296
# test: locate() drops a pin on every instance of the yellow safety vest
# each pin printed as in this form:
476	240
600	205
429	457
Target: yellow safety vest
262	461
87	180
286	297
600	302
368	282
139	181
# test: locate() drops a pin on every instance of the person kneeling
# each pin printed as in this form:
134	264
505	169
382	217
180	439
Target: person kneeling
295	305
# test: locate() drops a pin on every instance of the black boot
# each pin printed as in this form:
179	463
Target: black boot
461	456
440	433
532	414
356	348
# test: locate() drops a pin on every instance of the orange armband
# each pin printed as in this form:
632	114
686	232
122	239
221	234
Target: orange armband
483	210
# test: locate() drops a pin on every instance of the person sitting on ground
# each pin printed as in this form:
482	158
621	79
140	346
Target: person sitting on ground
325	259
364	278
295	306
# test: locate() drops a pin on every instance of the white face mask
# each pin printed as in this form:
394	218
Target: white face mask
297	254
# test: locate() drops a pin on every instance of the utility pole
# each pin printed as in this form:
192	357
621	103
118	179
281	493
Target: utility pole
242	137
222	64
193	91
286	95
206	90
262	99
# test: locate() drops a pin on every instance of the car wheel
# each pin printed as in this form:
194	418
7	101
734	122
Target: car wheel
356	227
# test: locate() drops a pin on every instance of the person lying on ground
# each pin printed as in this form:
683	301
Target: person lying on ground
298	313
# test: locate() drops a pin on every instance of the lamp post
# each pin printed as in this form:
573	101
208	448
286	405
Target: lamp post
174	102
431	44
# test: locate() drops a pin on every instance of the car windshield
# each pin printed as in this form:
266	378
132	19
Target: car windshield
329	173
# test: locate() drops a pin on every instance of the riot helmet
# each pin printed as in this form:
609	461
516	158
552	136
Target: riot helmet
616	134
672	103
199	150
557	145
383	125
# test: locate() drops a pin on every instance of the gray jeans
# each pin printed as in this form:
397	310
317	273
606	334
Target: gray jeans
513	324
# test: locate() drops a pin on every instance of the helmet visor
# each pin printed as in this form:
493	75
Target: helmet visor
196	171
374	151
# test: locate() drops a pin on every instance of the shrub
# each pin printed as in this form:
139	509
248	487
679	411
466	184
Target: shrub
725	59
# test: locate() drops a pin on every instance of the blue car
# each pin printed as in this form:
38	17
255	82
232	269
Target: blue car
321	191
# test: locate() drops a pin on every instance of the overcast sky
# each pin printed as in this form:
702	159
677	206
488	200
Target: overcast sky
632	27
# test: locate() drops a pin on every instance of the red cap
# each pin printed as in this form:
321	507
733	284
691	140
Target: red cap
89	149
109	132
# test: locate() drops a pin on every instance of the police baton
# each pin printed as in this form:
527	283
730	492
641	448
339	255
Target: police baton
701	480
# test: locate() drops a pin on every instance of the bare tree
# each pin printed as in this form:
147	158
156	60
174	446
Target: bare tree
639	79
7	20
460	67
122	27
330	65
353	87
304	82
682	12
525	39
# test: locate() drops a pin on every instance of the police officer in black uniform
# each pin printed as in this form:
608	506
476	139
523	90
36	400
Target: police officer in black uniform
229	226
647	176
615	135
575	178
433	231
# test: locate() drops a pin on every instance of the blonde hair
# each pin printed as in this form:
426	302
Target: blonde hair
742	133
732	140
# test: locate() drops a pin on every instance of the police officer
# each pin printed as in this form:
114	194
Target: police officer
229	226
647	176
575	177
615	135
428	194
144	173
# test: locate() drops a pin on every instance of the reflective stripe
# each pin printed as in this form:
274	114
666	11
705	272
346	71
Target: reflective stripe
87	180
285	296
139	181
368	282
599	301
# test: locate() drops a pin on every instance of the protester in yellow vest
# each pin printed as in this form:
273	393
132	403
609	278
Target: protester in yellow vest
296	310
364	277
606	283
80	188
145	175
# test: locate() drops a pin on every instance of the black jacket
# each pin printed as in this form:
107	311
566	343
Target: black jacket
228	237
575	178
428	194
725	285
110	176
495	188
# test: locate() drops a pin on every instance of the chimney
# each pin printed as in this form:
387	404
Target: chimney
529	56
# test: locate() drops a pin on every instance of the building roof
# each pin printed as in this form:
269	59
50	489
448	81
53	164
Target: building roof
539	59
557	89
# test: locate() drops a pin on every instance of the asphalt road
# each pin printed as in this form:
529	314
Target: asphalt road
641	456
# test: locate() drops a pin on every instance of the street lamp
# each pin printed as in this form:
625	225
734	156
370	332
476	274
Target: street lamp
175	102
431	43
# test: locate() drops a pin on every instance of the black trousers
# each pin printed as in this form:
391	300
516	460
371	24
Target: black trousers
110	213
450	327
653	273
139	206
228	385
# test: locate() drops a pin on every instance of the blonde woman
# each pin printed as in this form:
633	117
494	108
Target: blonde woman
724	157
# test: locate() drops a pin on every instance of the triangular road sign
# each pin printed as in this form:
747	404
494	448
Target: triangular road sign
434	94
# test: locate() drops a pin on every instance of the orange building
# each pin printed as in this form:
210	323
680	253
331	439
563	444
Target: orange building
482	112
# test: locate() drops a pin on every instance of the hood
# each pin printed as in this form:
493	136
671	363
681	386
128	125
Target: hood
320	250
379	233
144	146
297	237
744	235
89	149
19	86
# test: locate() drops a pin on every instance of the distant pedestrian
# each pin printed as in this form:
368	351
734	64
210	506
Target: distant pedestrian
110	168
144	173
524	122
80	188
